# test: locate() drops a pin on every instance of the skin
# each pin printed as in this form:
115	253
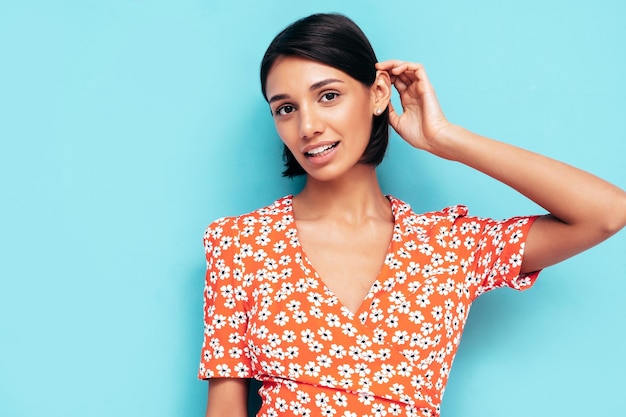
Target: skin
342	202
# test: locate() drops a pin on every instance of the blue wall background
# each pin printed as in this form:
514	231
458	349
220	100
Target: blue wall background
126	126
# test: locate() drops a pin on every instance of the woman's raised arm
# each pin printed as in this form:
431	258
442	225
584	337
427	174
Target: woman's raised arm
584	209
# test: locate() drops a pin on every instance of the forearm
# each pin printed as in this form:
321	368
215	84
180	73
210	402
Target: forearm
573	196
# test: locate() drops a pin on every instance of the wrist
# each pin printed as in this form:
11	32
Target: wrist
447	140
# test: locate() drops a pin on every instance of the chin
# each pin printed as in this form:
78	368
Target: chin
333	173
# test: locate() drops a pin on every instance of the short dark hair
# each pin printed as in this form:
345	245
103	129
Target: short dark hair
334	40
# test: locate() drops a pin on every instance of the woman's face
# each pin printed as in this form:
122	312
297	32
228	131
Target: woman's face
323	115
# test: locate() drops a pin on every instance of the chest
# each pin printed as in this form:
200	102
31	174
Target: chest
347	259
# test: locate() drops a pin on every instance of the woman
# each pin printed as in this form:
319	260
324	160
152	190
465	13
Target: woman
342	300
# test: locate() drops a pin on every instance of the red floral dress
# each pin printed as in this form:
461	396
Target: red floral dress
269	316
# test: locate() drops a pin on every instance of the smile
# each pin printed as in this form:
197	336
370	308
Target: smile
322	150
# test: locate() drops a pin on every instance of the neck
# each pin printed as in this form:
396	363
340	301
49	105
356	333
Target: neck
354	197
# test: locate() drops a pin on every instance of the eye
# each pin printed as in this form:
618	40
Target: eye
284	110
330	96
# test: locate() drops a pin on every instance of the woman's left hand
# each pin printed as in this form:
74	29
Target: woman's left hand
422	118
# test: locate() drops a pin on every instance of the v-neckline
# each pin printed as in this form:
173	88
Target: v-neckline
376	284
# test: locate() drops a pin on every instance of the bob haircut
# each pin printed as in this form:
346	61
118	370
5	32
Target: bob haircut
336	41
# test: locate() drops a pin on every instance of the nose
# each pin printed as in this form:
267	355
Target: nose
311	123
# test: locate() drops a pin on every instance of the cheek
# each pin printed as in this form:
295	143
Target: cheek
358	122
283	132
358	112
287	136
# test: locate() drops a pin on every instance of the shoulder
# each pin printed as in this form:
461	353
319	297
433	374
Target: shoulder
232	226
452	214
404	215
449	221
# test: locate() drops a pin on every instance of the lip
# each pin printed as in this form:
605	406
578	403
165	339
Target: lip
317	145
322	157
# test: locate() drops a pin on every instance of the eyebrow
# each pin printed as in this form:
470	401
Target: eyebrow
313	87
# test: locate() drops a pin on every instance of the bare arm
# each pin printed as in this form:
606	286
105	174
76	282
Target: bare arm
227	398
584	209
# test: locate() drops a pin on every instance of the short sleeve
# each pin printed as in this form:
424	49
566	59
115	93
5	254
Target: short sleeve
497	253
224	351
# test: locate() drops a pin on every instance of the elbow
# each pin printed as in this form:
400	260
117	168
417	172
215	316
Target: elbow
615	218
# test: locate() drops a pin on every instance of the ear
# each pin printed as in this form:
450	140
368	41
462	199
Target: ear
381	92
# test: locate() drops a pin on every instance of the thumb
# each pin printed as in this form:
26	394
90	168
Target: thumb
394	118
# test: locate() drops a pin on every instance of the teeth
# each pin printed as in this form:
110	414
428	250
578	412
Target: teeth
321	149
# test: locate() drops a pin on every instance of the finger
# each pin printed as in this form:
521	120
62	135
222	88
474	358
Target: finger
411	75
388	64
393	67
396	66
406	79
394	118
415	81
414	66
421	75
400	84
405	84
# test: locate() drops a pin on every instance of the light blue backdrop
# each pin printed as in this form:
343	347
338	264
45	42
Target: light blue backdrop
126	126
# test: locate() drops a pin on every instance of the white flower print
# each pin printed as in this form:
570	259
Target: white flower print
292	352
400	337
392	321
259	255
321	399
426	249
223	370
311	369
337	351
348	329
281	318
516	260
325	334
